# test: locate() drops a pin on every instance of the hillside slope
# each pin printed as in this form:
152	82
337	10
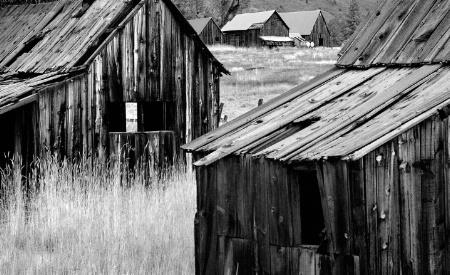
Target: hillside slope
331	8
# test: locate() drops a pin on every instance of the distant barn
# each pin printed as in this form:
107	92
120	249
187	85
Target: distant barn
257	29
208	30
311	25
68	69
348	173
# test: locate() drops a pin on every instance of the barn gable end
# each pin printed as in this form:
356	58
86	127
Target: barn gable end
208	30
373	131
311	25
79	76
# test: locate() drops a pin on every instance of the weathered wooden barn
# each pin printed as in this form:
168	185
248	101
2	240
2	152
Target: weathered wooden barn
348	173
245	30
68	68
311	25
208	30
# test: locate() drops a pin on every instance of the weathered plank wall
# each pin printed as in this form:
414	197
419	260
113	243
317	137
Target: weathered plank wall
386	213
275	26
249	217
391	207
156	149
151	59
212	34
320	34
249	38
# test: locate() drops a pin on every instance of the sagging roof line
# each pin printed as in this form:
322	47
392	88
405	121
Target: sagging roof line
271	126
240	121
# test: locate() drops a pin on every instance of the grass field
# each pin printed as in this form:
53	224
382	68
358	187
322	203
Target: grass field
263	73
80	220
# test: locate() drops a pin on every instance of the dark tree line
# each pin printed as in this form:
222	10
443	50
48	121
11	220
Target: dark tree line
342	28
221	10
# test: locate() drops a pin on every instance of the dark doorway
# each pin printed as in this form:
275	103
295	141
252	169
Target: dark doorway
310	209
321	42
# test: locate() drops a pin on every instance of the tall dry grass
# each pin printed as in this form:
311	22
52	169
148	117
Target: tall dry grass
262	73
79	219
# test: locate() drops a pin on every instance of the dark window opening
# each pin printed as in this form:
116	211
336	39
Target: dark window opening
117	117
311	209
216	39
141	116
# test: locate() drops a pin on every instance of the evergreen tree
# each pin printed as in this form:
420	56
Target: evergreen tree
336	27
352	19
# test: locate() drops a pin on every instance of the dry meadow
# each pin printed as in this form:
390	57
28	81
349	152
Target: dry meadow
266	73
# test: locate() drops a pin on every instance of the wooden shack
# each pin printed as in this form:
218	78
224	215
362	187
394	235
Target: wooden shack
245	30
208	30
345	174
68	68
311	25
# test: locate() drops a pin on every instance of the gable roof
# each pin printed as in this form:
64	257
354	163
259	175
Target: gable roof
401	32
243	22
301	22
42	38
41	43
343	114
199	24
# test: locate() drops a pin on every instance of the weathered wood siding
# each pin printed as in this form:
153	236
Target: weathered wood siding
274	26
212	34
150	60
391	207
320	34
249	218
386	213
249	38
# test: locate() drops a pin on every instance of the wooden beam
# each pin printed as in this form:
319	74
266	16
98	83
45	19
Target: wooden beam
20	103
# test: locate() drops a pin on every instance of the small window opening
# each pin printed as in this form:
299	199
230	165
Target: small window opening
311	209
216	39
321	42
131	117
159	116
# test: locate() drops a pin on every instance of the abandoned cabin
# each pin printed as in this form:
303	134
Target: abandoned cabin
68	69
257	29
310	25
345	174
208	30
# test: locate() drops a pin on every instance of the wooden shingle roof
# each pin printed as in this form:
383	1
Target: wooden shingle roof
401	32
343	114
47	37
